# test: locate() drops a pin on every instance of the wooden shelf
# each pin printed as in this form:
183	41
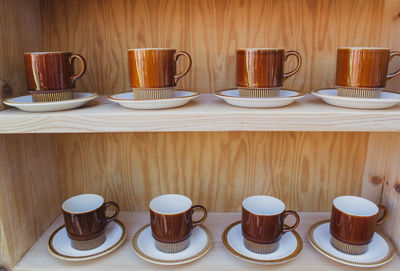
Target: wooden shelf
218	258
206	113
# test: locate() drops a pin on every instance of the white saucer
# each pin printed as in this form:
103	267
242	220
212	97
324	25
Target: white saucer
144	246
231	96
290	246
25	103
59	244
387	99
380	250
127	99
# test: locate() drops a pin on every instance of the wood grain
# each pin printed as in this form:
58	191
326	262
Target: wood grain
218	170
211	31
20	31
205	113
382	168
218	258
31	192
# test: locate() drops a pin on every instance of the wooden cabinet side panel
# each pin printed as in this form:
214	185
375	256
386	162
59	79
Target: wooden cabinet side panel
382	167
30	192
20	32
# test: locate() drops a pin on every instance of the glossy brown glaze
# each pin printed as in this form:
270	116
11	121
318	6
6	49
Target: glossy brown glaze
265	229
52	71
263	68
155	68
363	67
86	226
173	228
352	229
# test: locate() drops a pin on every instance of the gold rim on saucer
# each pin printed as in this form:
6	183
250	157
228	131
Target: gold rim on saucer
195	94
189	259
220	93
382	261
56	254
287	258
93	95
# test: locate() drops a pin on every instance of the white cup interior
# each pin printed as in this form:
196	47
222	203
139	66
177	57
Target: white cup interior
170	204
263	205
82	203
357	206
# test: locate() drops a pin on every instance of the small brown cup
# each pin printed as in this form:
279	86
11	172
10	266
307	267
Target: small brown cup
50	75
353	223
263	69
153	71
171	221
85	220
263	223
363	71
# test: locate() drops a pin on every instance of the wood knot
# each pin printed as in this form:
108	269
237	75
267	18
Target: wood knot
397	16
376	180
397	187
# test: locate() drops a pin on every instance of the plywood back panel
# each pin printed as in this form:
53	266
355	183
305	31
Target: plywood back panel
306	170
211	31
20	31
31	192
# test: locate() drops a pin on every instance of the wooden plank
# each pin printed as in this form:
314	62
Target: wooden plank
31	192
218	170
211	32
206	113
218	258
20	31
382	168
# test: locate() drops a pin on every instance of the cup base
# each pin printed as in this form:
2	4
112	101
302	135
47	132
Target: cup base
89	244
259	92
43	96
348	248
153	93
359	92
172	247
260	248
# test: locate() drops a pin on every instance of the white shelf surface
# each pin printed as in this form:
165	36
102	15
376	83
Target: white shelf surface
206	113
218	258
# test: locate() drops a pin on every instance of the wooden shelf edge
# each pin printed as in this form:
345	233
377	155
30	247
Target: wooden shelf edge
206	113
218	258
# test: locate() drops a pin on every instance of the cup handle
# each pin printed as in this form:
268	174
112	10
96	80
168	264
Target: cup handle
287	228
83	67
391	75
189	59
299	61
384	215
111	218
197	208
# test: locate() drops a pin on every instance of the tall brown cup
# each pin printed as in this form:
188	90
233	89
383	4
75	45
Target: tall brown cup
85	220
50	75
353	223
261	69
363	71
263	223
153	71
171	221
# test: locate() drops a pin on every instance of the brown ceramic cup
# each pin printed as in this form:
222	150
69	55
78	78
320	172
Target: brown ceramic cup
171	221
155	68
263	223
363	70
85	220
50	75
353	223
263	68
52	70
